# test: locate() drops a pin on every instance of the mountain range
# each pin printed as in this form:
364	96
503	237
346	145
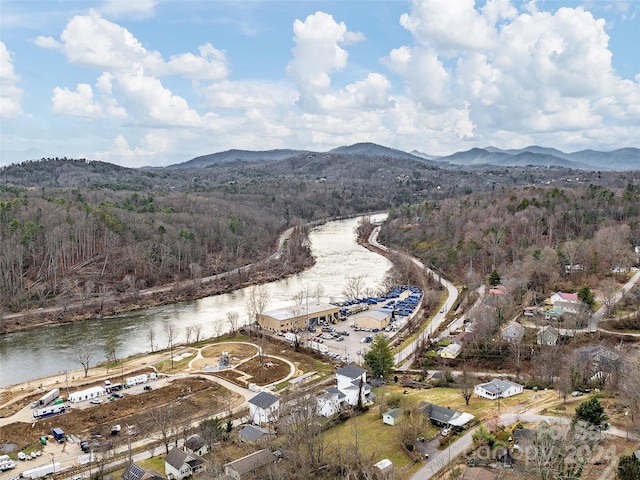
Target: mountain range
621	159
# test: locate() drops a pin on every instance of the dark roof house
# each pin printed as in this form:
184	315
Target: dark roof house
249	464
263	400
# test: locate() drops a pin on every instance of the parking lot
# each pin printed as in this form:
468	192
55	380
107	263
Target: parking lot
347	342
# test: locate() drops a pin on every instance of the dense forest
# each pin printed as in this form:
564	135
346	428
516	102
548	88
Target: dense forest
73	230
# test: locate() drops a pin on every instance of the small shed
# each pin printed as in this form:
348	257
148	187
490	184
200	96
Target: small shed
392	417
383	469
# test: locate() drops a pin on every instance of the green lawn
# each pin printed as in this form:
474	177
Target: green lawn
374	437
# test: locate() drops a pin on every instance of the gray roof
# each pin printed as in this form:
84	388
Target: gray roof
437	413
263	400
176	458
194	442
253	433
394	413
252	462
351	371
334	391
497	386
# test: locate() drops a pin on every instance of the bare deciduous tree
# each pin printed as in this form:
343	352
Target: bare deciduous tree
171	333
83	354
151	337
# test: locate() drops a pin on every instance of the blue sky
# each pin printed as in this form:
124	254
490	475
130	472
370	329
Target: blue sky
155	82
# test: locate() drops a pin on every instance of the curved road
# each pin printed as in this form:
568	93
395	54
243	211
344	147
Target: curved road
439	317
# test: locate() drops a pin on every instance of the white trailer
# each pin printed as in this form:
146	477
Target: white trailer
318	346
41	471
291	337
87	394
137	380
49	397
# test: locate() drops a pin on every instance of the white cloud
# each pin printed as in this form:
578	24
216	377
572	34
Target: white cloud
317	54
450	27
10	93
211	64
47	42
81	103
244	95
529	73
151	104
150	147
92	41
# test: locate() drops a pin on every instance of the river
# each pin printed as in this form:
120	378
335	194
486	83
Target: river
47	351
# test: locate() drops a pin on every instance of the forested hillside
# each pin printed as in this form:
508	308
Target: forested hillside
538	239
75	230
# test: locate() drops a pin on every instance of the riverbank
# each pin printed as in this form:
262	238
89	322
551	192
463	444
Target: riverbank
274	268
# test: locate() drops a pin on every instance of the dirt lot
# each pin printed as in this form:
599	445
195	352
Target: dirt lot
190	399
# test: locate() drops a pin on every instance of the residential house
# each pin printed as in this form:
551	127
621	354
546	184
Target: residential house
249	465
264	408
513	333
497	388
330	402
444	416
463	338
553	314
179	464
195	444
522	436
598	363
254	433
392	417
569	302
450	351
352	379
136	472
547	335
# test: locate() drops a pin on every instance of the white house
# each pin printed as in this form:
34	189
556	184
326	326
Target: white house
352	379
498	389
330	402
264	408
179	464
569	302
87	394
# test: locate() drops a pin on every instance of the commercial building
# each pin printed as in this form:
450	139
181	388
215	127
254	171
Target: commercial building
298	317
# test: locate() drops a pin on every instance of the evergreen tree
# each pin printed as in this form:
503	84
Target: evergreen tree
585	296
628	467
591	411
379	358
494	278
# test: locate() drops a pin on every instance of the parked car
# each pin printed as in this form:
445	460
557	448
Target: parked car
118	395
148	388
96	401
576	393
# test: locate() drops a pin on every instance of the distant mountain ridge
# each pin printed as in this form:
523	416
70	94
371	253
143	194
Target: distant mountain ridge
534	155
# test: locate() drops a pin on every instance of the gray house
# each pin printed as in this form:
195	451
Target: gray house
513	333
254	433
547	336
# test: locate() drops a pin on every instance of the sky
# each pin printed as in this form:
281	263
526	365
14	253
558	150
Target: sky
157	82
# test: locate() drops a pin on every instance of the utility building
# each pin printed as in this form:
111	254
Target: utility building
298	317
